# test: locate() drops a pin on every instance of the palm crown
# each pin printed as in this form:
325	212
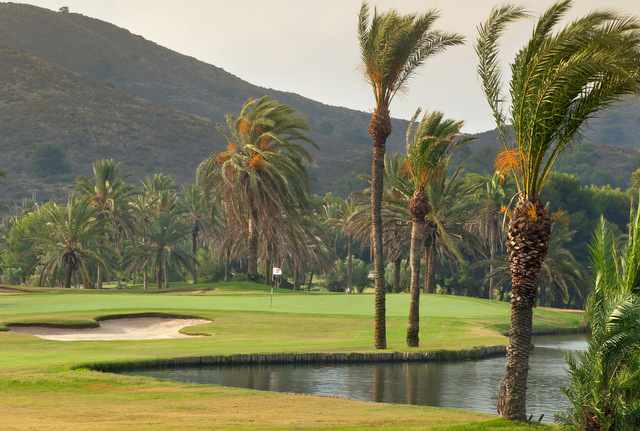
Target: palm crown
559	81
393	46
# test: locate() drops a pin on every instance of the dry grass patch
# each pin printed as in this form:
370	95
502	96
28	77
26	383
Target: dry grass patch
96	401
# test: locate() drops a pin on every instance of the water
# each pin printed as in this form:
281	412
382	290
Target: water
466	385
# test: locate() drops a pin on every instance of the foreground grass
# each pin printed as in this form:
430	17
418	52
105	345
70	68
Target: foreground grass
41	392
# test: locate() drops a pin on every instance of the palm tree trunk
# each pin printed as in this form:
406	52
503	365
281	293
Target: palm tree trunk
267	270
194	246
527	245
349	266
542	295
396	274
430	265
296	280
252	252
415	254
166	276
159	278
226	263
68	271
492	250
310	281
380	129
145	281
99	279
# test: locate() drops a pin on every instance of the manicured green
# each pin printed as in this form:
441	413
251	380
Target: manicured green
37	382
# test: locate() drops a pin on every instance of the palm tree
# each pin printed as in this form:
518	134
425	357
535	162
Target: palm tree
162	246
161	191
261	180
108	192
604	379
449	227
392	48
494	199
341	219
560	80
427	152
194	215
73	241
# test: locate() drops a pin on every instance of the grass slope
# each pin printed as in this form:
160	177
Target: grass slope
41	391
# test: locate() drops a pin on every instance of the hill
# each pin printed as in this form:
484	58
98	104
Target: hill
84	121
589	158
112	55
96	90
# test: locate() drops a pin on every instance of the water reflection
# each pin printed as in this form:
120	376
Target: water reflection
468	385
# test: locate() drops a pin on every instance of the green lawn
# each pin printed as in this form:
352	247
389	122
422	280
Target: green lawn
42	392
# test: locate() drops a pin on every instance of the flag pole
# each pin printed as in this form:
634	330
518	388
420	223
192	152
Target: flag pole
277	272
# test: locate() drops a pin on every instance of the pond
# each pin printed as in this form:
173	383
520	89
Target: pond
467	385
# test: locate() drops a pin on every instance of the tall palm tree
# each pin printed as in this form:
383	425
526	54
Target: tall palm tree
392	48
261	179
427	152
72	243
560	79
108	192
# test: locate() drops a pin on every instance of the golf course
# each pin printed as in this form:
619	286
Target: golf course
48	384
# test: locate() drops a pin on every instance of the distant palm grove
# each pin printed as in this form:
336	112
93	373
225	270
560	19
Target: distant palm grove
526	234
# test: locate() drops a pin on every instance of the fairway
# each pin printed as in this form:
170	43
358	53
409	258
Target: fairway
241	321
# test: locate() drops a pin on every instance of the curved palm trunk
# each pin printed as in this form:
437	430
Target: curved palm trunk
310	281
527	245
380	129
413	327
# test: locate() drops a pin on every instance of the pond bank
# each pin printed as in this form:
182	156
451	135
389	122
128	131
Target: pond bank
302	358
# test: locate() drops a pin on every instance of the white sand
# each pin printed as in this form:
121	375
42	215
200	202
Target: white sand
134	328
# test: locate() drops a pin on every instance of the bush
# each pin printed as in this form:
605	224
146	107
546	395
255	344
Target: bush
336	280
12	276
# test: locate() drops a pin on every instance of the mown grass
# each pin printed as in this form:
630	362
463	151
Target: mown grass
40	390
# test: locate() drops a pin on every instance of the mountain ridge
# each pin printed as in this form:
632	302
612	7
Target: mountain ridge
114	59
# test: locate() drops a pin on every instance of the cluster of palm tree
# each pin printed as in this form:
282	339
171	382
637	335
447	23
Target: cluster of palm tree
109	228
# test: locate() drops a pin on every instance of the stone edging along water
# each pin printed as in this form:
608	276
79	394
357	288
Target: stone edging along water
299	358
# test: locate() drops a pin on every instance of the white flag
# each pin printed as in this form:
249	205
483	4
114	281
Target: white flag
277	271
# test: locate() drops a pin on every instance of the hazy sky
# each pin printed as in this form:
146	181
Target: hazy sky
310	47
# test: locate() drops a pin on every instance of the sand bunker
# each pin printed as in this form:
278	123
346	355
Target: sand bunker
134	328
